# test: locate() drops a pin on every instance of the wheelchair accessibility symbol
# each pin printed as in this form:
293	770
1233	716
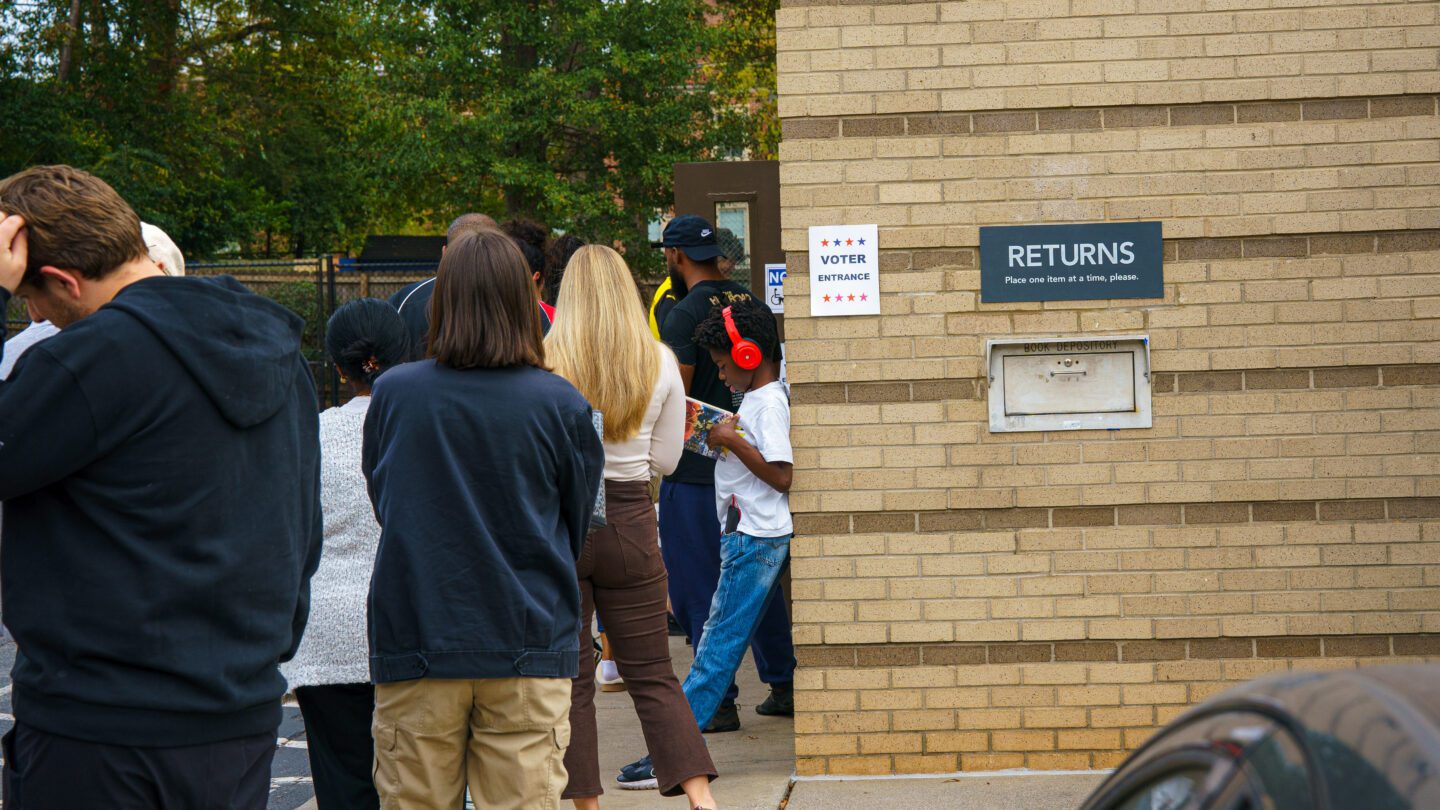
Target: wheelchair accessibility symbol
775	287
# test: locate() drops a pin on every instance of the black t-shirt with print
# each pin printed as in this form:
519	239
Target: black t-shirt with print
678	331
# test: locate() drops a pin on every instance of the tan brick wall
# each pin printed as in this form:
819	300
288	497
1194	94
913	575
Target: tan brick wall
1283	511
1202	181
1017	54
940	708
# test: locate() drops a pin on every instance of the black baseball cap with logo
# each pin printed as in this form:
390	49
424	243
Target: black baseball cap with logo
693	235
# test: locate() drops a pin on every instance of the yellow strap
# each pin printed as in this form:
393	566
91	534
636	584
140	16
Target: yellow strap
661	293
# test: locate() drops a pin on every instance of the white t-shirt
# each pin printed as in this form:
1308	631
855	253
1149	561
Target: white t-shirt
18	345
765	421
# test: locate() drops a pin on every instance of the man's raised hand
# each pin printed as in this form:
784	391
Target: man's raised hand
14	250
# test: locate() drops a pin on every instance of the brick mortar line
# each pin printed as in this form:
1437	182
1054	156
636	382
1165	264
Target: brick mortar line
1209	248
836	3
1099	119
1219	513
1118	651
1322	378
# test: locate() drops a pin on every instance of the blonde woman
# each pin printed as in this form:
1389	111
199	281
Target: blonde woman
602	345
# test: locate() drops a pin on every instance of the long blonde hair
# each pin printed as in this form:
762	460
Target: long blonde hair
600	340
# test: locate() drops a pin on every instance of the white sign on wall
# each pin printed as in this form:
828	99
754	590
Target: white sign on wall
775	288
844	270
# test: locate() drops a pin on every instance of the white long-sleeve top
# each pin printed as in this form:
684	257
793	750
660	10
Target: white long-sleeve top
661	440
334	648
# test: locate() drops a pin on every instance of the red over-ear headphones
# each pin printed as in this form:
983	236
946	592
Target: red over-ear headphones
743	351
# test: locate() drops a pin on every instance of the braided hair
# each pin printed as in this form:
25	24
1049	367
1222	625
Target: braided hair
753	320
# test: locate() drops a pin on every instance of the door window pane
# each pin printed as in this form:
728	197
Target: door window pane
732	219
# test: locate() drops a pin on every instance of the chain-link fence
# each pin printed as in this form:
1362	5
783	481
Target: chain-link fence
312	289
16	318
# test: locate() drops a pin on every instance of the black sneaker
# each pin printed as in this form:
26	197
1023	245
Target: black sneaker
781	702
638	775
727	718
674	628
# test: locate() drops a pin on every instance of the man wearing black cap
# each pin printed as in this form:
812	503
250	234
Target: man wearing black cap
688	522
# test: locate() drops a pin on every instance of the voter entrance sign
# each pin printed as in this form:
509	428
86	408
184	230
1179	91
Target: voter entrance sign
1071	262
844	270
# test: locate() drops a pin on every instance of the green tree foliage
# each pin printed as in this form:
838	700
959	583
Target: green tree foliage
571	111
744	68
227	123
297	126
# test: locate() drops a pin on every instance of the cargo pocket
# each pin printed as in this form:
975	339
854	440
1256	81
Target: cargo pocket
561	735
384	770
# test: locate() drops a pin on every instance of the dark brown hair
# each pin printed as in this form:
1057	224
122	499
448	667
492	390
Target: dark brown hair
74	220
483	313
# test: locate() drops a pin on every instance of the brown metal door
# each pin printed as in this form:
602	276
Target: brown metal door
742	196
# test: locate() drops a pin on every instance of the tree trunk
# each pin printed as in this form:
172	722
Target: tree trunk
67	48
162	29
520	58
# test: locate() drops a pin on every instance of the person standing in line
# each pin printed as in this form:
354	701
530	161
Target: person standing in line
159	464
557	256
483	469
330	672
661	303
752	482
158	246
687	520
413	300
604	349
161	249
532	238
732	252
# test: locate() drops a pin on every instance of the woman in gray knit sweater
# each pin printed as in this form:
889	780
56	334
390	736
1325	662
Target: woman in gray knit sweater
331	671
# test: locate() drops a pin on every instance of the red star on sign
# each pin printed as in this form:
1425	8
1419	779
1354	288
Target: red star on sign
852	296
827	298
825	242
849	241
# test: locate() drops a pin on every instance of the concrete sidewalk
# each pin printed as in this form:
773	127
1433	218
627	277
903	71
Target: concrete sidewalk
1019	790
755	763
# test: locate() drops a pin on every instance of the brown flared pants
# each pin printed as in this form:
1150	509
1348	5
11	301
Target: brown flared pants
621	574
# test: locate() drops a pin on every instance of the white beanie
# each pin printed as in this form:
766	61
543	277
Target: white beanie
163	250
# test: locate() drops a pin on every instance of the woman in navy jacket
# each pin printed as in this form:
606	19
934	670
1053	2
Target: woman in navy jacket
483	468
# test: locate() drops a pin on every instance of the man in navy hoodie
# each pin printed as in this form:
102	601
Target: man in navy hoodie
159	464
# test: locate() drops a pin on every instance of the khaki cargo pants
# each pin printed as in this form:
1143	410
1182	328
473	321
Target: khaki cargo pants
506	737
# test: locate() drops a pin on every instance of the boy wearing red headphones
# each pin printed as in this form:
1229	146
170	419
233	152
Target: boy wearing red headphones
751	485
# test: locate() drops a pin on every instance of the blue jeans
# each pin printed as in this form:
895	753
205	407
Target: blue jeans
749	577
690	544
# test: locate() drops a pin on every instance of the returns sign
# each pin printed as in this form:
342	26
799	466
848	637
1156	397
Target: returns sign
1071	262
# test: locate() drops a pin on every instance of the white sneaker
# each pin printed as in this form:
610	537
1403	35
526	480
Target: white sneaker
608	676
